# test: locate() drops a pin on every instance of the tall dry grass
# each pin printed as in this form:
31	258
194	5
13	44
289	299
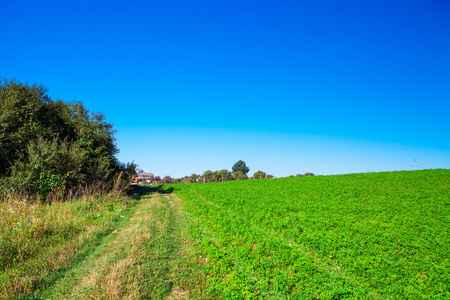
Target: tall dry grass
40	240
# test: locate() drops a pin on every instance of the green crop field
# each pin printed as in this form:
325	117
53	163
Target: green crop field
357	236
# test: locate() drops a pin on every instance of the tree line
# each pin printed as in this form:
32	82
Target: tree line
49	146
239	172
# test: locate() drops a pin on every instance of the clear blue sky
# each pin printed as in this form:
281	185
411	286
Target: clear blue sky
289	87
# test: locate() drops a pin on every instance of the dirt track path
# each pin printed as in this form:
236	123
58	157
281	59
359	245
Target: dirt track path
141	259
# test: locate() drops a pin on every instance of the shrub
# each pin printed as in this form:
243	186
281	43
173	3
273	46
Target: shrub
51	146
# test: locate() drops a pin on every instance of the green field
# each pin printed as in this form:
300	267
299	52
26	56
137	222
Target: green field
357	236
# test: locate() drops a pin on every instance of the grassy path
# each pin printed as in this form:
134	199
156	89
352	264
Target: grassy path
146	258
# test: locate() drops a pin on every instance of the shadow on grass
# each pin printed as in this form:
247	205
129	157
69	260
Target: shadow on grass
139	190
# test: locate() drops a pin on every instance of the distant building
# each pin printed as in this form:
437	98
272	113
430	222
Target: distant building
140	176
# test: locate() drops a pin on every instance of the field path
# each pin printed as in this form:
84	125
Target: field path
143	259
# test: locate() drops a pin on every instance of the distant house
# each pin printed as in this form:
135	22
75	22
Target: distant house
140	176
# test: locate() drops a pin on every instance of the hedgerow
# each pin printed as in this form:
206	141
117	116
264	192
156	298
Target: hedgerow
51	147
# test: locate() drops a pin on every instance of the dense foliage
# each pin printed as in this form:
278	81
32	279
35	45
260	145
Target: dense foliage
358	236
49	146
240	166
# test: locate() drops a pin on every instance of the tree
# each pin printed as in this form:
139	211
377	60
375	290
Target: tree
259	175
48	146
238	175
215	177
185	179
306	174
167	179
151	178
194	177
225	175
240	166
208	176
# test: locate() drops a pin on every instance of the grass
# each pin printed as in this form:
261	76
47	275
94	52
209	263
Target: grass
358	236
39	243
108	247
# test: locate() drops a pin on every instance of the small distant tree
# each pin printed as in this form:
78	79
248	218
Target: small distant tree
238	175
270	176
215	176
208	176
167	179
306	174
259	175
240	166
194	177
225	175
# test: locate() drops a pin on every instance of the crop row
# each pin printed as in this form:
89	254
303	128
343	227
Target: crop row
378	235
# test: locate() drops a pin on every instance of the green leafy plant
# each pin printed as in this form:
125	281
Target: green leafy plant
357	236
49	146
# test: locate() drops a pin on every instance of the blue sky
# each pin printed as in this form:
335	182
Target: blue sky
328	87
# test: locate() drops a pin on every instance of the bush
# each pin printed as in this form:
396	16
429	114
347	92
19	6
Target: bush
51	146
